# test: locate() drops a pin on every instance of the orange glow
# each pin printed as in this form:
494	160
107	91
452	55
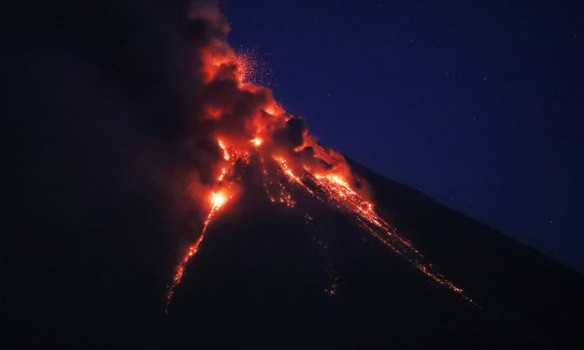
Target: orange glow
213	113
257	141
222	174
180	270
218	199
274	109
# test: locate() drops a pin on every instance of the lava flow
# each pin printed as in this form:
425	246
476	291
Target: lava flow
250	129
218	200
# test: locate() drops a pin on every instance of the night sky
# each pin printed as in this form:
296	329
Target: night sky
477	104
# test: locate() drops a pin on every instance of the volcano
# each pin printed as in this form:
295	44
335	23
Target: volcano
162	202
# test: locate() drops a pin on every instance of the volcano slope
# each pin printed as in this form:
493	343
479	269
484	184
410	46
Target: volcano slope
271	276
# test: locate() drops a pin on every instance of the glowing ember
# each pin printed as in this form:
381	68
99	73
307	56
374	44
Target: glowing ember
218	199
221	144
256	141
291	160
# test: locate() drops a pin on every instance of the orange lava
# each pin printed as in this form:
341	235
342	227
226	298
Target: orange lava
257	142
180	270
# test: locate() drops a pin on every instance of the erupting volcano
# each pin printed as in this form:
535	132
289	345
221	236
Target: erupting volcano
247	129
159	196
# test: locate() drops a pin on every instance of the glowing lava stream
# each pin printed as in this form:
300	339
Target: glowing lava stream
218	200
334	189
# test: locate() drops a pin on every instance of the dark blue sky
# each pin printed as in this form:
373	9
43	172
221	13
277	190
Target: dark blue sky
478	104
